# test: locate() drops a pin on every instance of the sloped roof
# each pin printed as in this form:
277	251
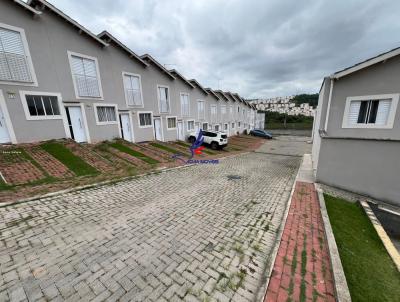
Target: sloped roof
364	64
106	35
233	96
26	6
209	90
33	3
193	81
148	58
237	96
221	93
229	96
177	74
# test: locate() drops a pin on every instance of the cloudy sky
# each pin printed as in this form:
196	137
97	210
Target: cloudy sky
259	48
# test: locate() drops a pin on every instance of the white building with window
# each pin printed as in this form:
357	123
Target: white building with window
59	80
356	132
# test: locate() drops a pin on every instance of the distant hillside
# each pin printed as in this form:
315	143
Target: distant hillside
311	99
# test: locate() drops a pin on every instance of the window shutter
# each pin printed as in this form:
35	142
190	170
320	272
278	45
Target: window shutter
132	90
383	112
354	110
163	99
85	75
13	60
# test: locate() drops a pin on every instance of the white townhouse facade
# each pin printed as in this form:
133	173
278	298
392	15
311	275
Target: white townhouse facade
59	80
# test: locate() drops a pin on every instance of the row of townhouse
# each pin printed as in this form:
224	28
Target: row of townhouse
59	80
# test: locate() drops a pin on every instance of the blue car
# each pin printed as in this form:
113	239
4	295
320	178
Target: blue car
261	133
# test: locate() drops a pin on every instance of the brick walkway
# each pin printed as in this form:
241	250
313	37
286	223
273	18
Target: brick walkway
302	270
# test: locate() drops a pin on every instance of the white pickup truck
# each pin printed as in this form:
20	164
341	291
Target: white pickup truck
215	139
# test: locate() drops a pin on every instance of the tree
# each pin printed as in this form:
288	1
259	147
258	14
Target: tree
311	99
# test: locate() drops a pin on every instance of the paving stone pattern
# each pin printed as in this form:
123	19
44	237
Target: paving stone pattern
192	234
302	269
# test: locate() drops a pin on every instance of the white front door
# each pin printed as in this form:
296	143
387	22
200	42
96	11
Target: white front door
181	136
4	135
126	129
76	124
157	129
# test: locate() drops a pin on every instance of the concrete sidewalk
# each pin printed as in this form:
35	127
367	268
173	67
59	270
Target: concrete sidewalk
302	269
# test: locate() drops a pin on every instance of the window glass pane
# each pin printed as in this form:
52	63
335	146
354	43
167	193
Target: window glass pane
362	114
47	105
148	119
39	105
31	105
54	105
106	114
145	119
373	111
141	119
171	123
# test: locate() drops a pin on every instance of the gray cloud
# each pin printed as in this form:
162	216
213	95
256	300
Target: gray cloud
255	47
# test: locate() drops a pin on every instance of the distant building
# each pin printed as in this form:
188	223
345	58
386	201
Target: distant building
283	105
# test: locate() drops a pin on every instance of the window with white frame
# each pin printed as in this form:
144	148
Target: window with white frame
190	125
171	122
42	106
200	110
145	119
86	76
163	99
238	124
223	110
225	127
370	111
216	127
233	125
133	89
185	105
213	110
15	61
205	126
106	114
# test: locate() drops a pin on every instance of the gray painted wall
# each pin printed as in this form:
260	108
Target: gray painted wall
362	166
361	160
382	78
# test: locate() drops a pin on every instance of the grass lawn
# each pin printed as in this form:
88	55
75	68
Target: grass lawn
73	162
166	148
134	153
370	272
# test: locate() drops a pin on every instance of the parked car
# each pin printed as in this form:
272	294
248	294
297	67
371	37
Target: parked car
215	139
261	133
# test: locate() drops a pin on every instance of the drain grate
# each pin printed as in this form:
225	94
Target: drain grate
234	177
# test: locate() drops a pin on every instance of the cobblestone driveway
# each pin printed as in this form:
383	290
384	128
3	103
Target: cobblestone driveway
191	234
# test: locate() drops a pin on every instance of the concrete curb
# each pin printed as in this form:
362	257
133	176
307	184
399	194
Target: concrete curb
106	182
392	251
272	258
341	288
